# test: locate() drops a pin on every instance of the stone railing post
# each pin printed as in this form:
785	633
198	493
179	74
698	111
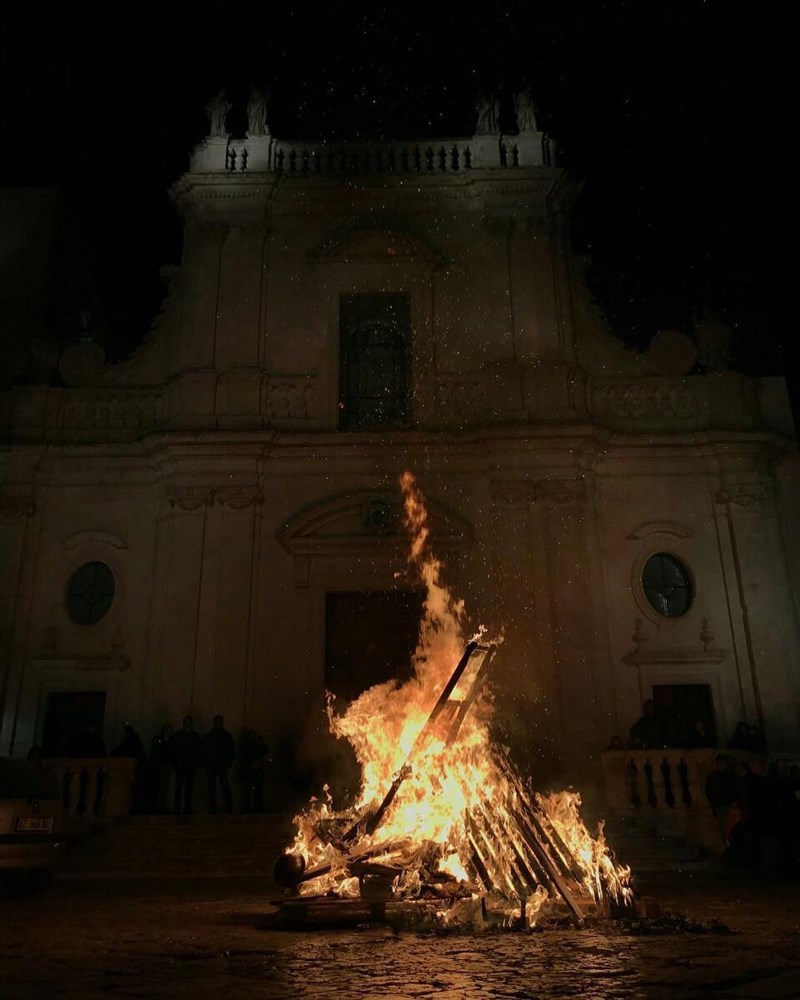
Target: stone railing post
93	788
664	790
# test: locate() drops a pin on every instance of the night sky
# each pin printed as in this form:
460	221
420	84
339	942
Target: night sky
672	115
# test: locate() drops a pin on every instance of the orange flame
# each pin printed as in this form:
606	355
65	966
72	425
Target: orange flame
448	786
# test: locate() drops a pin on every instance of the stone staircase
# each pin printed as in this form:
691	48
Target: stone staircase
201	846
204	846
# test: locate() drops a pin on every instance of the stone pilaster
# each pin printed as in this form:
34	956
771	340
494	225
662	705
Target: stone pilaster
764	627
20	533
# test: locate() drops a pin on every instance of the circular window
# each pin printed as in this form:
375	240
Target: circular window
90	593
667	585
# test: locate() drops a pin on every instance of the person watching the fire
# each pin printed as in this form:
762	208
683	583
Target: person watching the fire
219	752
647	733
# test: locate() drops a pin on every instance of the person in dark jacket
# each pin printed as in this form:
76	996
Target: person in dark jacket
131	746
162	766
188	753
722	792
647	733
219	752
253	759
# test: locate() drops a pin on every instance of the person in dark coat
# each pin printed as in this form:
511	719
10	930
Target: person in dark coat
647	733
253	759
219	752
188	753
162	766
131	746
741	738
722	792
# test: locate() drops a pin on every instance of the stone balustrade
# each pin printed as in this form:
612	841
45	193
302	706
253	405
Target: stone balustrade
664	790
258	154
93	788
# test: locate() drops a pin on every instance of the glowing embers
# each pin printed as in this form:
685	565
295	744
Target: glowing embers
443	821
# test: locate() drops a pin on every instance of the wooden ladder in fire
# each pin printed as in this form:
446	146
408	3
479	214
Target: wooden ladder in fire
445	720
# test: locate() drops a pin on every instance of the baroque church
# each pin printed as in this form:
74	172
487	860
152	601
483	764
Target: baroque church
214	524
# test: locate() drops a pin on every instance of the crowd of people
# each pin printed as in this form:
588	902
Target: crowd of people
657	730
756	803
164	778
757	809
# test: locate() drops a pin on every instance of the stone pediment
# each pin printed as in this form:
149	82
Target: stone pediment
367	519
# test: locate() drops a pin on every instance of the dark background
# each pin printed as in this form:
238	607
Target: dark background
672	115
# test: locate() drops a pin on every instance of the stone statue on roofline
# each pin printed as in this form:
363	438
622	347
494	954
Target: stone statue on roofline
488	115
217	110
714	339
526	113
257	113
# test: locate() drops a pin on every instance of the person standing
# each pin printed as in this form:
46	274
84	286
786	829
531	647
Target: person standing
253	757
219	752
188	750
647	733
131	746
162	765
722	794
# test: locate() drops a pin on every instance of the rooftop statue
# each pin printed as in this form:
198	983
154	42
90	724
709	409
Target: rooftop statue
488	115
217	110
257	114
526	113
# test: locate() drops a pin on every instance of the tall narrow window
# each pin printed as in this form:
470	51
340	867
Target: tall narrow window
374	349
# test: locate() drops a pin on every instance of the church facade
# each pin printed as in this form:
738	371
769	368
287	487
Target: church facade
200	528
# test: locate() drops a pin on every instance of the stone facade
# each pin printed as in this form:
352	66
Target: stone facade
208	471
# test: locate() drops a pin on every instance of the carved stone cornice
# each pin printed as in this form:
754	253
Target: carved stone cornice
102	412
239	497
291	398
642	655
14	508
662	399
235	497
742	495
647	653
550	493
193	499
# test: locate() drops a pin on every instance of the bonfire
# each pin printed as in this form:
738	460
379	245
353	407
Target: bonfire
442	814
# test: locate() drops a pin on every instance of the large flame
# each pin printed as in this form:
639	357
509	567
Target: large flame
448	786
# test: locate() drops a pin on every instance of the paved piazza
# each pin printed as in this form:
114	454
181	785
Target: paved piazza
199	939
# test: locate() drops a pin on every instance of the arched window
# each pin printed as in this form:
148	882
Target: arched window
374	351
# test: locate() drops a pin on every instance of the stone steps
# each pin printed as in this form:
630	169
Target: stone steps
183	846
221	845
647	852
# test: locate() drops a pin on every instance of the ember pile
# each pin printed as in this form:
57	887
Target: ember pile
442	814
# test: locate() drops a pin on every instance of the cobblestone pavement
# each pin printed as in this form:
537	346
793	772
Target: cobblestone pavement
206	938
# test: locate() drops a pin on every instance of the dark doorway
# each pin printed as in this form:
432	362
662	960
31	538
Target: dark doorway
73	724
682	707
370	637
